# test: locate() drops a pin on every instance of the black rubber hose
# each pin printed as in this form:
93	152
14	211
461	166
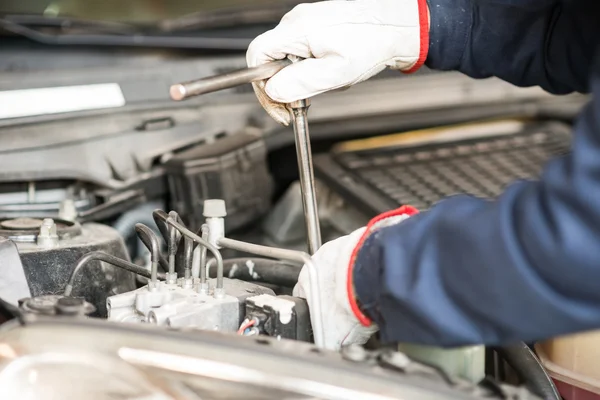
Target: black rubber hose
264	270
526	364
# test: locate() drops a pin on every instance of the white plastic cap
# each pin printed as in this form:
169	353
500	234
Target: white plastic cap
214	208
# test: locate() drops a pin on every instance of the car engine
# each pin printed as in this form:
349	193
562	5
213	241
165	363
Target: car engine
150	248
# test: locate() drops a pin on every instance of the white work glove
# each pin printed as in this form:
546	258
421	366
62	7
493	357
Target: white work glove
343	43
343	323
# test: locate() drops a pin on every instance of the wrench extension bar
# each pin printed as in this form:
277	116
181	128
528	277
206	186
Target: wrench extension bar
185	90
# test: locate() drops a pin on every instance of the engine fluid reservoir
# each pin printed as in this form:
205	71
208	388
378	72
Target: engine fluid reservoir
572	361
463	362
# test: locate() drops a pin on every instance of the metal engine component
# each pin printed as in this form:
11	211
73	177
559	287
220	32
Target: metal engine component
56	305
178	306
194	301
50	248
187	302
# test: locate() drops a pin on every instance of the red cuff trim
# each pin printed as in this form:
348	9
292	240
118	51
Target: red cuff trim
424	36
362	318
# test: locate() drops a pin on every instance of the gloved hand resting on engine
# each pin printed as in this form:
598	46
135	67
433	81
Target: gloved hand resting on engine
343	43
343	322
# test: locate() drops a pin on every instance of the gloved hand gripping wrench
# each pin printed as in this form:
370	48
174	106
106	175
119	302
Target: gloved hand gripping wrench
299	110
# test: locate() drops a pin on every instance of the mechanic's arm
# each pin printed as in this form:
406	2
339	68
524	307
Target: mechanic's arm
523	267
549	43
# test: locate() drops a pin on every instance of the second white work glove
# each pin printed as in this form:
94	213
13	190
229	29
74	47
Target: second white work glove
343	322
343	43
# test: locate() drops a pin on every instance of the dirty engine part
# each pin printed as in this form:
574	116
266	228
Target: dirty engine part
52	304
190	301
183	305
50	248
196	301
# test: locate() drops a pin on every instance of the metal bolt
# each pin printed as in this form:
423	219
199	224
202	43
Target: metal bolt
152	286
172	278
70	306
67	210
48	236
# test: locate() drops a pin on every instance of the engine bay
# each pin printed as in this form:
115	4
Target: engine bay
191	280
152	248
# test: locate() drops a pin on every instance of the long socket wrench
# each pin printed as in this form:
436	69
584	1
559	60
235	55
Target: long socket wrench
299	111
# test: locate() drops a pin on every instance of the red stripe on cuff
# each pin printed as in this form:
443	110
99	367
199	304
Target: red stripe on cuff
424	36
362	318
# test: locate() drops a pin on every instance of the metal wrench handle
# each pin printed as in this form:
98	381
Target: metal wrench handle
184	90
307	178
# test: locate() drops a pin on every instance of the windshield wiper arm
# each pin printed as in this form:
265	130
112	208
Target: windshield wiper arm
133	39
66	24
230	17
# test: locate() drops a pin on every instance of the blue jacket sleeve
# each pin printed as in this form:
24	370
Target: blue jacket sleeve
547	43
525	266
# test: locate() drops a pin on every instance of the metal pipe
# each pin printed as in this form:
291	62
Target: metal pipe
184	90
307	179
148	236
216	253
204	230
107	258
162	260
316	315
172	249
160	218
187	256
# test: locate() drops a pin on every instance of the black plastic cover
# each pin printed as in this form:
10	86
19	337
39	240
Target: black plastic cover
380	179
233	168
